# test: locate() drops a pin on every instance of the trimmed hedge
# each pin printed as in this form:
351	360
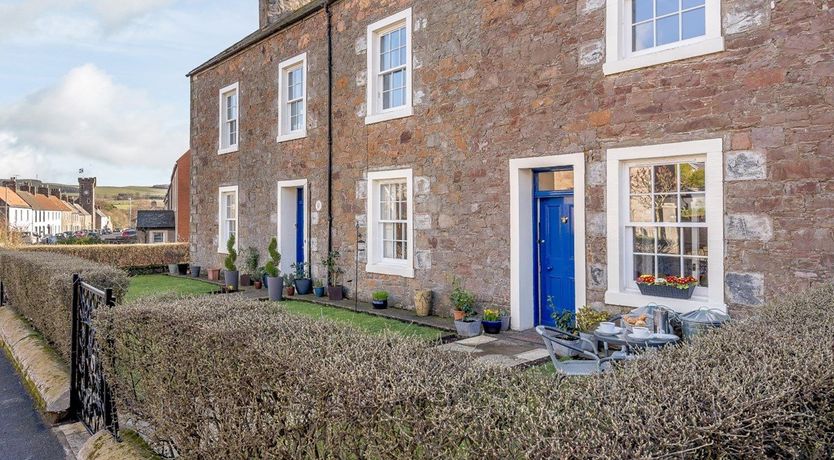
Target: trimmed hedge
222	377
39	287
122	255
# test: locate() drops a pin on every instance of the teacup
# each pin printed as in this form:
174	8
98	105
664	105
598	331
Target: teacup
606	327
641	332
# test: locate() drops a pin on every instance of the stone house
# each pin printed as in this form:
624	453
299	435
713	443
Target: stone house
533	149
156	226
178	197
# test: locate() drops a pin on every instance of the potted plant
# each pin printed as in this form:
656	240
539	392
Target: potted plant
505	320
422	302
303	282
172	269
195	271
564	321
335	291
587	321
274	282
288	285
251	258
182	269
380	300
463	301
232	276
469	326
491	321
318	288
671	286
214	274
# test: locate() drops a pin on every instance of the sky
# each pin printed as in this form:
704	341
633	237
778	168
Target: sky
100	84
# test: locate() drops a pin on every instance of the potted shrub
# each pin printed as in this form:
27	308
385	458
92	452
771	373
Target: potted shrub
274	282
251	258
380	300
335	291
195	271
182	269
491	321
232	276
587	321
469	326
505	320
671	286
214	274
303	282
564	321
318	288
463	301
172	269
288	285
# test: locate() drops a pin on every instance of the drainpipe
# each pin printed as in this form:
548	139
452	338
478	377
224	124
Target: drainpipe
328	15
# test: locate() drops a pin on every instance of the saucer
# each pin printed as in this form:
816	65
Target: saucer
614	331
641	337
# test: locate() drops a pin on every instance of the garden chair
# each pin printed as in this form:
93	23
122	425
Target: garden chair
593	364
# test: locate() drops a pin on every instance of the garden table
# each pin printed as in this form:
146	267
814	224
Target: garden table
627	343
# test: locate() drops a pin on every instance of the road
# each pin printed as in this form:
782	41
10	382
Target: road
23	434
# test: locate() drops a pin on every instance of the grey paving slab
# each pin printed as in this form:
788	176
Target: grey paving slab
23	433
533	355
500	360
479	340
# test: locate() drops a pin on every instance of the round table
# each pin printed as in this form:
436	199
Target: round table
622	339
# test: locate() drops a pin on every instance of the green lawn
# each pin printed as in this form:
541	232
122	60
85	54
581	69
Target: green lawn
145	285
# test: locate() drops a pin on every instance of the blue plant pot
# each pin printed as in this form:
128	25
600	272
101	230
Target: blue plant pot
319	291
492	327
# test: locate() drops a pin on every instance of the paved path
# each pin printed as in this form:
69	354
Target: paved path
23	434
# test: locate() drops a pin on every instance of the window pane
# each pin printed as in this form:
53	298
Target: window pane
668	241
644	239
640	179
555	180
668	266
643	265
695	242
686	4
697	268
641	10
665	178
666	208
667	30
665	7
641	208
693	23
643	36
693	208
692	177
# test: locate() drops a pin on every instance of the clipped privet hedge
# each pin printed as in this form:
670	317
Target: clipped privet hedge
39	286
219	377
122	255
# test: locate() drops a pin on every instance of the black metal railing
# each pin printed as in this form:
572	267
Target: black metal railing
90	396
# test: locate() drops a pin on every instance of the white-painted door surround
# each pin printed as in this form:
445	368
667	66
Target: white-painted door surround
522	272
286	229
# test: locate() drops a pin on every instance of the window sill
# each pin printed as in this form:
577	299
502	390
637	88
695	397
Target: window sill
389	269
227	150
700	48
635	299
292	136
392	115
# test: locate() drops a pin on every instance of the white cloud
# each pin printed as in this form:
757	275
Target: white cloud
89	121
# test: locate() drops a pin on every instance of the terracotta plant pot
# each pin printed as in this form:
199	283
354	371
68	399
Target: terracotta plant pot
290	291
458	314
258	284
214	274
422	302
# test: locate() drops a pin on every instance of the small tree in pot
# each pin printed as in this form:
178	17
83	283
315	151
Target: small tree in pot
232	275
335	291
274	282
303	282
251	259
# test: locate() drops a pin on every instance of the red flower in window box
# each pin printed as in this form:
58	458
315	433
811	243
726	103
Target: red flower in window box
670	286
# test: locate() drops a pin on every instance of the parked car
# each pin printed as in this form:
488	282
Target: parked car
129	233
29	238
92	235
80	234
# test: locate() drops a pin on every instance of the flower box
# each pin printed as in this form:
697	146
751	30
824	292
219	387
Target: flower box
666	291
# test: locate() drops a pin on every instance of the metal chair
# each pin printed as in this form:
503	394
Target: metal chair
594	363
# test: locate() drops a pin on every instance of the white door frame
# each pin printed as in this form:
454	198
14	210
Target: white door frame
521	232
283	243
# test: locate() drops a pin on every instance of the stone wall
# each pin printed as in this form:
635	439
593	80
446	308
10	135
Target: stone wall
272	11
496	80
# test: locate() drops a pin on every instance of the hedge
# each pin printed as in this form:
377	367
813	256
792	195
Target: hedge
122	255
221	377
39	287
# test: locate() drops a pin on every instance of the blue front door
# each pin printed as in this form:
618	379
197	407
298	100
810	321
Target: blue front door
555	258
299	226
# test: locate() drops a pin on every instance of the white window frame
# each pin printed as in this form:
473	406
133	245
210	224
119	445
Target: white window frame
233	88
375	113
622	291
284	112
620	58
221	243
152	233
376	263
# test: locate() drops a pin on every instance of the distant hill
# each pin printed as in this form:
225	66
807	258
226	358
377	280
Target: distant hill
109	193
